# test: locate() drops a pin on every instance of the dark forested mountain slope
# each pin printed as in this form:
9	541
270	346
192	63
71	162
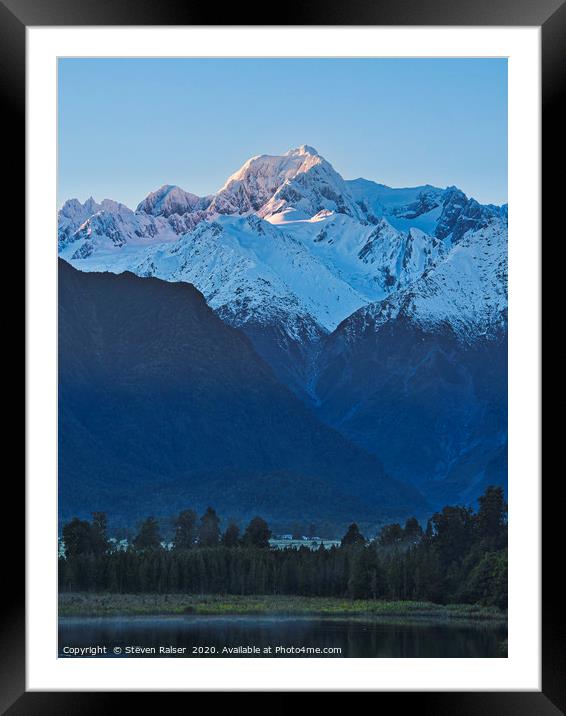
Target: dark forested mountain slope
434	408
163	406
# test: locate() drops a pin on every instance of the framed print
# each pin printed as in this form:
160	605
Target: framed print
283	353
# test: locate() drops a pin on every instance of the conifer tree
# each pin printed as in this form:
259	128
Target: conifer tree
257	533
209	529
231	536
148	538
185	530
352	536
99	533
492	516
77	538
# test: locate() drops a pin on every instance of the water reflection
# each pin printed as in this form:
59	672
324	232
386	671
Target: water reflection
210	636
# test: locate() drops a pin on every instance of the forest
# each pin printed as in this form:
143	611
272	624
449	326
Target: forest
460	557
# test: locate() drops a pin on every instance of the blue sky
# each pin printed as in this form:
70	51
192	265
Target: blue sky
127	126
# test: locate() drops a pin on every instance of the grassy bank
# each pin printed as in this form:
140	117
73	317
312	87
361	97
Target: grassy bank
89	604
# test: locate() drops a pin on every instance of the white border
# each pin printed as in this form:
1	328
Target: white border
522	669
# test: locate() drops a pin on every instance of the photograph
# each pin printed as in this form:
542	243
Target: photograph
282	357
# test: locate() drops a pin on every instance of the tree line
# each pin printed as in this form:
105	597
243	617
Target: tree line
460	557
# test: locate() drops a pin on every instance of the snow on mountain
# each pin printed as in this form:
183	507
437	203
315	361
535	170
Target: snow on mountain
466	290
445	213
111	227
461	215
375	259
182	209
168	200
73	214
410	203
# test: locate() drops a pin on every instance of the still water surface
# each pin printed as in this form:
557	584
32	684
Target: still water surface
215	636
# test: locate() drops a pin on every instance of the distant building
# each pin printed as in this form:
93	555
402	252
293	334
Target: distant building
285	542
119	545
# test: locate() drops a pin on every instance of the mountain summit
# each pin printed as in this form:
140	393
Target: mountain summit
299	183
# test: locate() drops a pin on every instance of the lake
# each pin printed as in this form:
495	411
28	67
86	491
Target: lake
250	636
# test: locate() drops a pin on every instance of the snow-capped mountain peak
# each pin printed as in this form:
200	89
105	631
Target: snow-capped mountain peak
299	184
72	215
302	150
169	199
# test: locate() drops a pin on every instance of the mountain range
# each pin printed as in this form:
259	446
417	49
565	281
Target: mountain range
382	310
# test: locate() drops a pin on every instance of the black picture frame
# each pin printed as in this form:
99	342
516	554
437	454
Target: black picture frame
550	15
